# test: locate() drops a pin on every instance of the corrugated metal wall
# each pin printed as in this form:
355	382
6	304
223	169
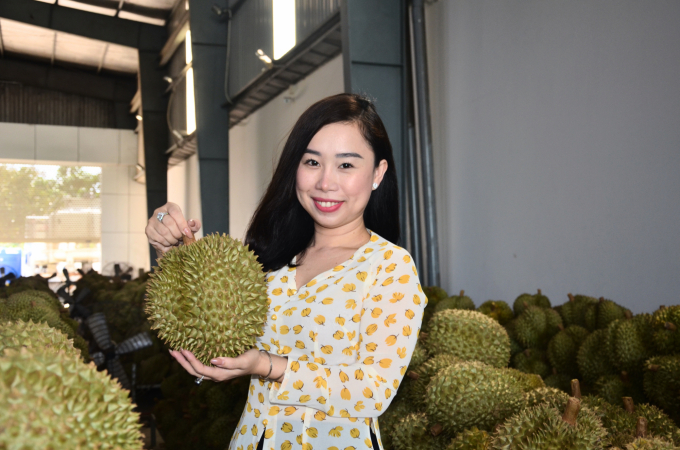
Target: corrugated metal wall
252	30
27	104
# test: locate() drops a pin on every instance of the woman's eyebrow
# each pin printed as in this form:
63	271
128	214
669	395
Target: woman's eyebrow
337	155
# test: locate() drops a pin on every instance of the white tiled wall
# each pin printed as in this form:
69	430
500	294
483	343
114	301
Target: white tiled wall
123	199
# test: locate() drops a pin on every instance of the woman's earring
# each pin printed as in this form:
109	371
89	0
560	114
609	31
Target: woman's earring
375	186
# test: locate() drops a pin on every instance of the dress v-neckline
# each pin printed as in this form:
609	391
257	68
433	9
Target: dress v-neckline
292	281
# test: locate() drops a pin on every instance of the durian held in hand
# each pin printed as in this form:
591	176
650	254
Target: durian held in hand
208	297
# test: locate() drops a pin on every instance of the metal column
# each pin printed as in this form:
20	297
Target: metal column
209	52
374	43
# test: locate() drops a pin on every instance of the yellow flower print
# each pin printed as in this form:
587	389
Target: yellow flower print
340	320
344	413
313	335
354	433
376	298
375	312
285	350
294	366
260	397
390	268
343	376
284	329
297	329
321	320
391	340
311	299
287	445
270	278
327	349
345	394
268	434
284	279
304	398
321	400
298	385
368	250
289	311
359	374
395	384
356	318
256	412
320	382
244	429
368	393
415	271
390	320
335	432
396	297
372	328
338	268
407	330
361	276
290	410
320	415
378	406
274	410
368	361
410	314
359	406
407	258
277	291
404	279
401	351
388	254
338	280
311	283
299	344
312	366
321	288
388	392
350	304
385	363
304	295
349	287
305	312
351	334
312	432
371	346
290	292
331	410
327	301
283	395
388	281
338	335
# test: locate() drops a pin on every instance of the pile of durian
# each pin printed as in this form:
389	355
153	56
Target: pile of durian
501	377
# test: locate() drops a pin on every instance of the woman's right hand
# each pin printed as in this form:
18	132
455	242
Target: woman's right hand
167	234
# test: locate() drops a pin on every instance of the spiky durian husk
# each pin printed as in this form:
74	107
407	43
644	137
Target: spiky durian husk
592	357
573	312
470	336
472	439
536	325
528	381
629	343
619	424
523	301
420	355
412	433
209	297
662	382
498	310
461	301
424	373
532	360
542	427
666	326
39	336
471	394
398	408
55	401
563	348
434	294
651	443
599	315
554	397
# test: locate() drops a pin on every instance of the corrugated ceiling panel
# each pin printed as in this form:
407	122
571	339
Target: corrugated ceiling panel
309	14
18	37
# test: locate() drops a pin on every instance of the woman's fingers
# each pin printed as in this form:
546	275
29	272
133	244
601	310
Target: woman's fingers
217	373
171	226
181	224
179	356
194	225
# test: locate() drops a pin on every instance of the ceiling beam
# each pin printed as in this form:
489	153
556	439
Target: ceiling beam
114	30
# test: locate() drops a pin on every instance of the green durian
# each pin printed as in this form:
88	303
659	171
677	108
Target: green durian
629	343
419	356
525	300
460	301
662	382
613	388
665	324
532	360
558	381
593	357
470	336
153	370
471	394
599	315
546	427
563	348
388	421
209	297
527	381
651	443
434	294
497	310
573	312
536	326
412	433
620	425
19	334
472	439
420	377
54	401
554	397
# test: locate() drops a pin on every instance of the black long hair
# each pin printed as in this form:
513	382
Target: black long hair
280	227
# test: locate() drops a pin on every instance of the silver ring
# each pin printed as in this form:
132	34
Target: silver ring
160	216
198	380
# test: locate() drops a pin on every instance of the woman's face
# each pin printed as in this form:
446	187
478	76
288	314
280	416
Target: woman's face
336	174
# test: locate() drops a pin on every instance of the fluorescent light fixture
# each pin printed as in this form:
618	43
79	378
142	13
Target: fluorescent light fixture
284	26
138	117
191	102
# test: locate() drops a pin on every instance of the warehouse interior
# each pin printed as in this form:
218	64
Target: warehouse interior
537	146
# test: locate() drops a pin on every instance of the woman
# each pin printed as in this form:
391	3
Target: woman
345	302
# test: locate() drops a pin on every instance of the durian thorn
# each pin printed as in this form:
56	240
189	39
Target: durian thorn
539	292
462	292
571	411
412	375
423	335
436	429
188	240
670	326
628	314
571	297
576	389
629	405
653	367
560	327
641	427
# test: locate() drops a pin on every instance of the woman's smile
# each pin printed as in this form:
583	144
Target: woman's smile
325	205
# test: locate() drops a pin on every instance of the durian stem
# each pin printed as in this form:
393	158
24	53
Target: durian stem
436	429
576	389
423	335
462	292
670	326
571	297
629	405
654	367
601	299
624	377
628	314
662	307
560	327
571	411
412	375
527	353
641	427
188	240
539	292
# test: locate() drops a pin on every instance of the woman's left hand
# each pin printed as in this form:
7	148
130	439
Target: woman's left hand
225	368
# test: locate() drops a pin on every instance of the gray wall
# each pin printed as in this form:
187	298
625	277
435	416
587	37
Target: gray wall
557	140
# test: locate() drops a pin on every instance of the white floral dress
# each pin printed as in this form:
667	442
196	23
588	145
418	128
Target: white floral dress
349	335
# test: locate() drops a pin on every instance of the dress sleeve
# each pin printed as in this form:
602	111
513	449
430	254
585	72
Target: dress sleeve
391	316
